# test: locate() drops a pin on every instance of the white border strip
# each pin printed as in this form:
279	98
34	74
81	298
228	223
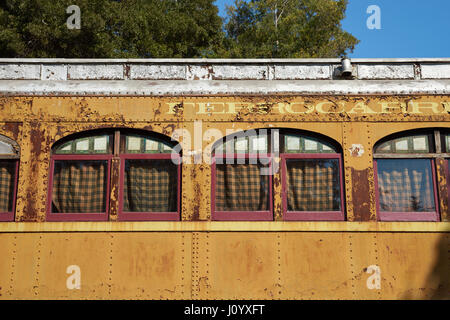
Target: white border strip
222	88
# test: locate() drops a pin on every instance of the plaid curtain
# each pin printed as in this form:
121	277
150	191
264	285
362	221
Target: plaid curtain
405	190
241	187
7	179
313	185
79	186
150	186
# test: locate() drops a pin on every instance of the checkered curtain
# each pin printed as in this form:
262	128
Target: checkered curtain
241	187
150	186
405	190
7	175
79	186
312	185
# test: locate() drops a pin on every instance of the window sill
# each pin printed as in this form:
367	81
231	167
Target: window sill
225	226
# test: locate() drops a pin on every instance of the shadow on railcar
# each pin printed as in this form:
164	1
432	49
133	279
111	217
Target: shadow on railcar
439	277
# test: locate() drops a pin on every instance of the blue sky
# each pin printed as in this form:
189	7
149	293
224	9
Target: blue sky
409	28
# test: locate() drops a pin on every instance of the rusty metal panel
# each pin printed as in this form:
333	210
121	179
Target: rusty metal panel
57	252
414	266
196	195
150	266
24	270
315	266
8	252
34	164
442	188
363	263
226	265
358	167
240	266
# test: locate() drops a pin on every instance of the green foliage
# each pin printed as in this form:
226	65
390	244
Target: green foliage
110	29
173	28
288	29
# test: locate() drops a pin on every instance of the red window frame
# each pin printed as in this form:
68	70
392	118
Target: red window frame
311	215
149	216
408	216
447	177
102	216
240	215
9	216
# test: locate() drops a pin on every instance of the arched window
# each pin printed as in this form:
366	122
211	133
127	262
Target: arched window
241	177
311	173
81	177
9	164
405	176
311	177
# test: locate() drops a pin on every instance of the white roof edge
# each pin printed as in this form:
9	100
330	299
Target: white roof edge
222	87
221	61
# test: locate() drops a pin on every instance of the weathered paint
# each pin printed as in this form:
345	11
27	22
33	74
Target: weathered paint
442	185
196	258
211	265
36	123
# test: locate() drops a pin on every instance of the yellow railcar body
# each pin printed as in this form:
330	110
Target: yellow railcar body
197	258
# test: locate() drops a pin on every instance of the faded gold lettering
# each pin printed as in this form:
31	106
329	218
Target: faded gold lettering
307	109
319	107
446	107
361	107
323	107
417	106
388	107
234	108
211	108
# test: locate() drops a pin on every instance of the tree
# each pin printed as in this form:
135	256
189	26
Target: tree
174	28
287	29
110	29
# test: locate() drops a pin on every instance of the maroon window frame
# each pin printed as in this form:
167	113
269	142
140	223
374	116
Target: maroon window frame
9	216
447	177
407	216
101	216
149	216
241	215
311	215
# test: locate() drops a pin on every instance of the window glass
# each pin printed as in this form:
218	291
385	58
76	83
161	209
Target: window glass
7	184
79	186
446	141
241	187
259	144
88	145
140	144
250	144
301	144
411	144
313	185
150	186
405	185
6	148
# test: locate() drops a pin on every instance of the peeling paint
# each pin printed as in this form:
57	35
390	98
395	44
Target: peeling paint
356	150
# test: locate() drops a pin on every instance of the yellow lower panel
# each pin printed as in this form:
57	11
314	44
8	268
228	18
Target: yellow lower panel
58	252
239	265
315	266
8	249
224	265
414	266
150	266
